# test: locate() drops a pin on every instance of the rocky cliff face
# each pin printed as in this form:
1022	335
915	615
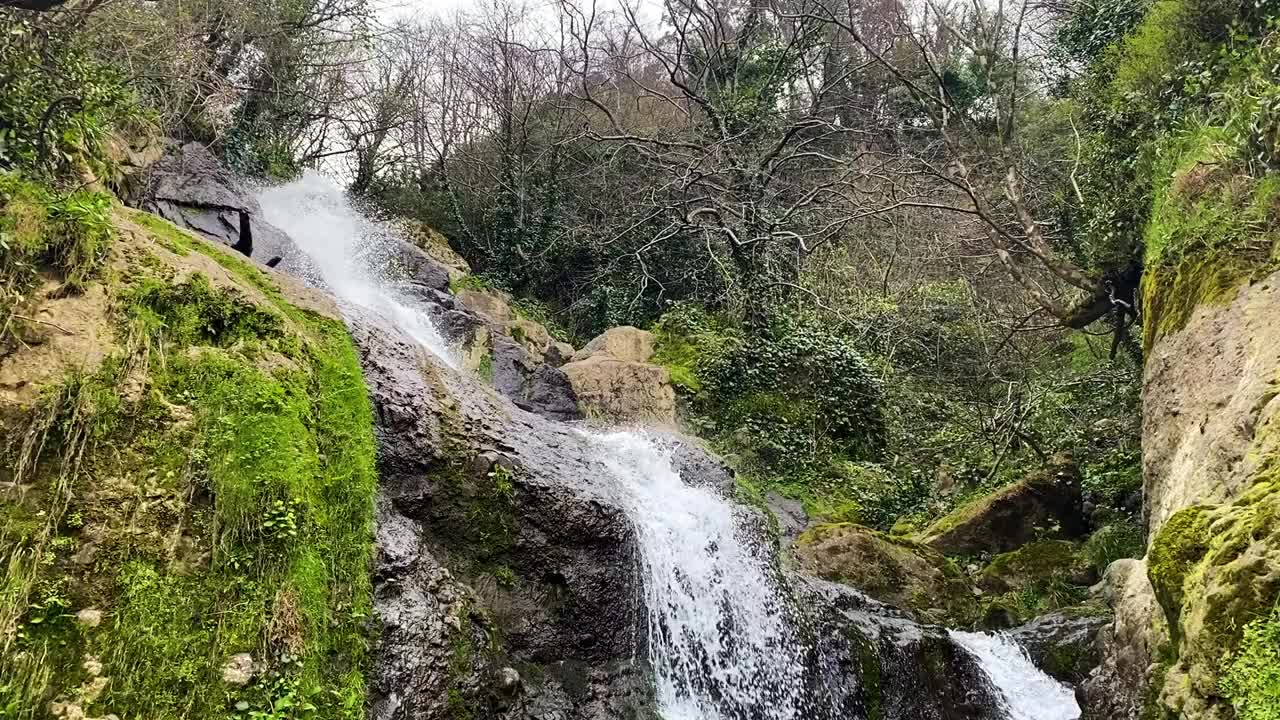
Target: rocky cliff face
1210	467
507	585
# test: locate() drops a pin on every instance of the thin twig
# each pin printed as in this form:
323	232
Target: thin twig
43	322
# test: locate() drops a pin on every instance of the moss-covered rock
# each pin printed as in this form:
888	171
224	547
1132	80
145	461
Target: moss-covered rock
895	571
1216	570
1047	502
1029	565
204	496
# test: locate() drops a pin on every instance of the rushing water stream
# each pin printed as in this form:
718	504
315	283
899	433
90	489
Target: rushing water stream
722	637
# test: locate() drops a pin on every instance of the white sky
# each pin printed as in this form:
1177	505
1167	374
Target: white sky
650	10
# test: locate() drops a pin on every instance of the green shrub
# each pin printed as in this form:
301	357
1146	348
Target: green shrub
58	103
799	395
41	230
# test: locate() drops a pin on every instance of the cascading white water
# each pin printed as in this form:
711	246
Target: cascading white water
721	633
1028	693
722	640
349	251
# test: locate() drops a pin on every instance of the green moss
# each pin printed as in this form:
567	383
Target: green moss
1042	558
1121	539
685	339
485	368
870	676
231	497
1033	580
1212	228
1065	660
169	236
1252	678
1181	542
471	282
40	231
896	571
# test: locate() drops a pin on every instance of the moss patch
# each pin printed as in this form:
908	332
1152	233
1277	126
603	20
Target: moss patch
1216	573
210	493
892	570
42	231
1213	227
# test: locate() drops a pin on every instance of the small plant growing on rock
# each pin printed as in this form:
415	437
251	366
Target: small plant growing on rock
281	520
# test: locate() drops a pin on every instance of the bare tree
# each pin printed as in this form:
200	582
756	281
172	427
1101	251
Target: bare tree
977	154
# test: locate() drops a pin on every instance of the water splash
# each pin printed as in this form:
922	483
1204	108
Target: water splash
351	254
722	640
1028	693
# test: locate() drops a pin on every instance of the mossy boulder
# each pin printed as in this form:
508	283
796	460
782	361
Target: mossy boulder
895	571
1029	565
1215	570
1047	503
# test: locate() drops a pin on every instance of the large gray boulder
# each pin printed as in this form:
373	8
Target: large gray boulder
190	188
497	550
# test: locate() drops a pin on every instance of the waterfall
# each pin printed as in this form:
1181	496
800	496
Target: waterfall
724	638
1028	693
721	633
350	254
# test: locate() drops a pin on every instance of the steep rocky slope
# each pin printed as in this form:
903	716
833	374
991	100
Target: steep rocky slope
187	478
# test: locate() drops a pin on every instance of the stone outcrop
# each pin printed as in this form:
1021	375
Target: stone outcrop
1063	646
905	575
191	189
1015	515
622	343
1211	449
614	381
1120	687
1207	390
496	550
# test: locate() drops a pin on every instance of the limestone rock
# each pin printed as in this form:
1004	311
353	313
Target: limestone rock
623	342
1117	689
1015	515
1206	389
437	246
89	617
491	304
622	390
447	515
904	575
558	353
789	514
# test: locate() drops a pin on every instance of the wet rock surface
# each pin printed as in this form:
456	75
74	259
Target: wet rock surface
871	661
498	548
501	549
190	188
1064	647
